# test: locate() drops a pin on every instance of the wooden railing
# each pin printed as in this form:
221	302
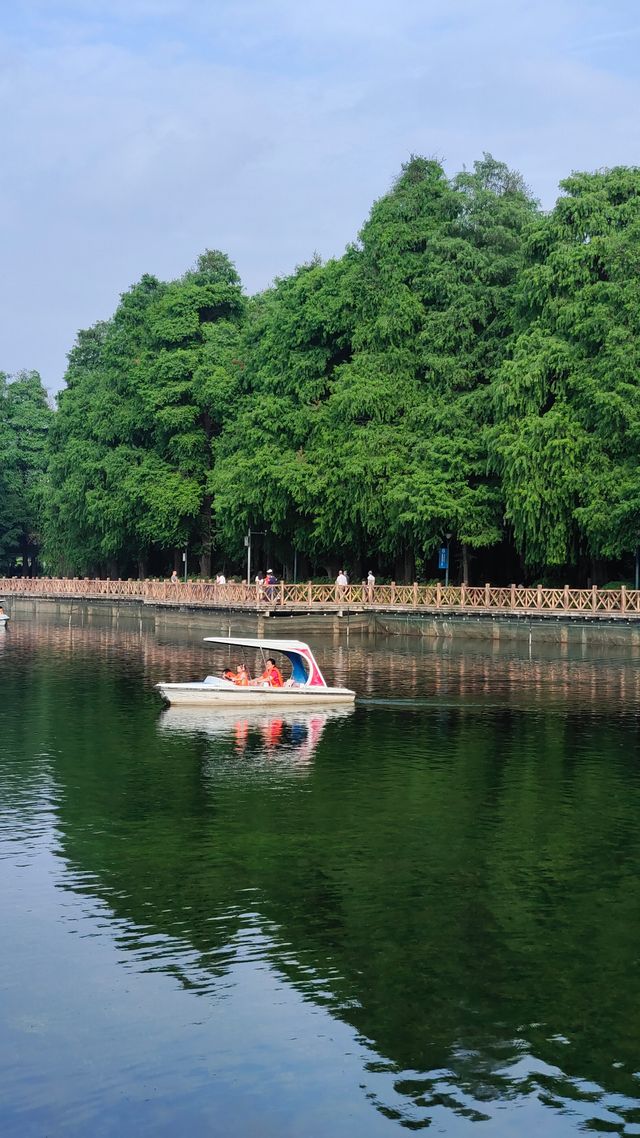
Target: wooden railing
307	596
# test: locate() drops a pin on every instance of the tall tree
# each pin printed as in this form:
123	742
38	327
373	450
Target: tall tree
405	425
190	379
567	436
131	453
25	417
296	335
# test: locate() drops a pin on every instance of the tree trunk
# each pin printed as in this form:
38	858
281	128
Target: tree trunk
206	536
465	564
409	567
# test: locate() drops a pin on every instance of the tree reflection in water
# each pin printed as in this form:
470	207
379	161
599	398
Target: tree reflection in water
455	876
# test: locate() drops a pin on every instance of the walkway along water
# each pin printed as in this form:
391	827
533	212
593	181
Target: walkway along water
481	600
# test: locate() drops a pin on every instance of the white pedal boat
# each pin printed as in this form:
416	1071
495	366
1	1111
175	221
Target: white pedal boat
306	686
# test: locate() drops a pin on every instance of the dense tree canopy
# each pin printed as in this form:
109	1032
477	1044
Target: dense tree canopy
469	367
131	449
24	422
567	401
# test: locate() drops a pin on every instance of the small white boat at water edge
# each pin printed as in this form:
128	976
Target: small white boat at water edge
305	687
4	619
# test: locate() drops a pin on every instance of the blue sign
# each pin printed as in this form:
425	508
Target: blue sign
443	558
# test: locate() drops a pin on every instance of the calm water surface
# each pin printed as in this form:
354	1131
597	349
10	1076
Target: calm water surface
422	913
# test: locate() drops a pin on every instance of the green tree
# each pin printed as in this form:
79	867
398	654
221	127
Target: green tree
567	401
131	452
190	380
295	336
432	290
25	417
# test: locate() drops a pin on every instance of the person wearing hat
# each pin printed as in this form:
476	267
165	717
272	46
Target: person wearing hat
270	581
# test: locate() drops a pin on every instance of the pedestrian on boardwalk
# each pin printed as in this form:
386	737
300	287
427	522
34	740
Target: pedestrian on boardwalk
270	581
371	584
341	584
175	580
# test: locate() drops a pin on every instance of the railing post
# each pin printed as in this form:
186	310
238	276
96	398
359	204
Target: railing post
463	594
309	593
415	594
438	595
623	598
282	592
539	597
487	595
565	599
512	598
393	592
594	598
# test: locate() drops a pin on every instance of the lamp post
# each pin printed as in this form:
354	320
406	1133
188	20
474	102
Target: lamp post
184	558
446	572
247	541
637	566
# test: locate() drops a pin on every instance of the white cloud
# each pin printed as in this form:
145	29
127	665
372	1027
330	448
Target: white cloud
136	133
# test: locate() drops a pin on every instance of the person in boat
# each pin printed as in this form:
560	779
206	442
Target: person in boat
272	676
241	677
229	674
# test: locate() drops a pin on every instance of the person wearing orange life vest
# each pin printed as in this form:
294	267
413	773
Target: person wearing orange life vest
271	675
241	677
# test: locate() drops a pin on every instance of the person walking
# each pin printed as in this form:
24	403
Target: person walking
270	581
371	584
341	584
175	580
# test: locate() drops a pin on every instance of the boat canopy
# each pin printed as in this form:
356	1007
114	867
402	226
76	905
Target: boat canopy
304	667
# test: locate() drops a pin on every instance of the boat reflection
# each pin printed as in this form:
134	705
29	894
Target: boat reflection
292	732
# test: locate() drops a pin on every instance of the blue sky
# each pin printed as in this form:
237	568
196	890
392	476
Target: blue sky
136	133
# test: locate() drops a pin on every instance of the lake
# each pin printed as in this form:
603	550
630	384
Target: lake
422	913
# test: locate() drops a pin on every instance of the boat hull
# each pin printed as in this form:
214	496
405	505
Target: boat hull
205	695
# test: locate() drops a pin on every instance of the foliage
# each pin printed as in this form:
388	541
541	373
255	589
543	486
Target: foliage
25	417
568	400
468	367
131	451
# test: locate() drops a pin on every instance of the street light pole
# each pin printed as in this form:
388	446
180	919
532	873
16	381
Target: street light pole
446	572
247	542
184	558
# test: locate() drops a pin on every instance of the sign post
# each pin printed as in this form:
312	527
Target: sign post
443	558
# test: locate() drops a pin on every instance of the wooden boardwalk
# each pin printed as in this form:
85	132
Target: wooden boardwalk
485	600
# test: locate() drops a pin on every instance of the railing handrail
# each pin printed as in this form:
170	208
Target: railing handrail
306	595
